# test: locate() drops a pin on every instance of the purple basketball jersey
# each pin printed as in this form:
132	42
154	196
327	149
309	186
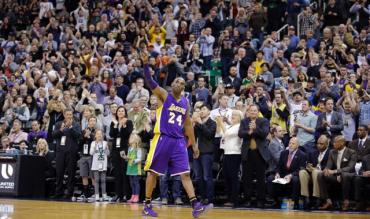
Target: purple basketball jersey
171	117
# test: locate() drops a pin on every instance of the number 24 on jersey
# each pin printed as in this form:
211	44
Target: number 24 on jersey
172	119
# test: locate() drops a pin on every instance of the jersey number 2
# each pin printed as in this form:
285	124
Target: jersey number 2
171	120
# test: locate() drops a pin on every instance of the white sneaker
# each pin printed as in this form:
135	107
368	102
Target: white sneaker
178	201
156	201
106	198
164	201
97	198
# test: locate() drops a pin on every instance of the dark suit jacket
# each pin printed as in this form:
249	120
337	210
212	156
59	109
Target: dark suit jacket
299	162
259	134
361	152
243	66
365	164
205	133
313	159
336	124
124	134
237	82
348	163
73	137
275	149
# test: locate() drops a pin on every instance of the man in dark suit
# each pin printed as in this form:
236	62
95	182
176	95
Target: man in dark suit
67	134
340	169
361	180
204	130
255	153
362	144
242	62
290	163
233	79
330	122
276	146
316	163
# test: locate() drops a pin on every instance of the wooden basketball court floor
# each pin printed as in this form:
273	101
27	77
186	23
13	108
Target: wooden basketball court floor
25	209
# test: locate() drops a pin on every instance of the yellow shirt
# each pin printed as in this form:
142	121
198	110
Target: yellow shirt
257	65
276	119
349	89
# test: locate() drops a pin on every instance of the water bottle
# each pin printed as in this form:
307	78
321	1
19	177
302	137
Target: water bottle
301	205
284	204
290	204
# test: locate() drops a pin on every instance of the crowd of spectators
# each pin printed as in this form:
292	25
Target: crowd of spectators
287	109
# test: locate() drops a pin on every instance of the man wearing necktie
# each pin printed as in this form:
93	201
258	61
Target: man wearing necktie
340	169
362	144
255	153
290	163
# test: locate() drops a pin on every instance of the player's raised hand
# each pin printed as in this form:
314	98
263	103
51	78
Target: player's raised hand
144	57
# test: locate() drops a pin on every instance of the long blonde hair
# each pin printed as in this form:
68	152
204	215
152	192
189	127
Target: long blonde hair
134	140
42	141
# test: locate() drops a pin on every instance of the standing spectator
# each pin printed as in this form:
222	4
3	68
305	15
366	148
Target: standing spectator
304	126
225	113
18	111
230	92
330	122
205	130
258	21
137	91
276	146
255	154
42	149
85	161
308	21
294	7
242	62
280	115
332	14
176	188
134	169
138	116
67	134
202	93
120	131
231	143
100	151
214	23
346	105
316	163
112	98
233	79
267	76
340	169
363	108
206	41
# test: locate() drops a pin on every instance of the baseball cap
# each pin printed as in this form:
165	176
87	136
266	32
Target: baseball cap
260	79
229	86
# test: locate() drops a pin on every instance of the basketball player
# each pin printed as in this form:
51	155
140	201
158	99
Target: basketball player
168	146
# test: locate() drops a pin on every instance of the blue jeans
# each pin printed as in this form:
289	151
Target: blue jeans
203	175
176	185
135	184
207	62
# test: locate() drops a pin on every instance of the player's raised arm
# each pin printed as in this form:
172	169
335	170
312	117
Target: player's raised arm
152	84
